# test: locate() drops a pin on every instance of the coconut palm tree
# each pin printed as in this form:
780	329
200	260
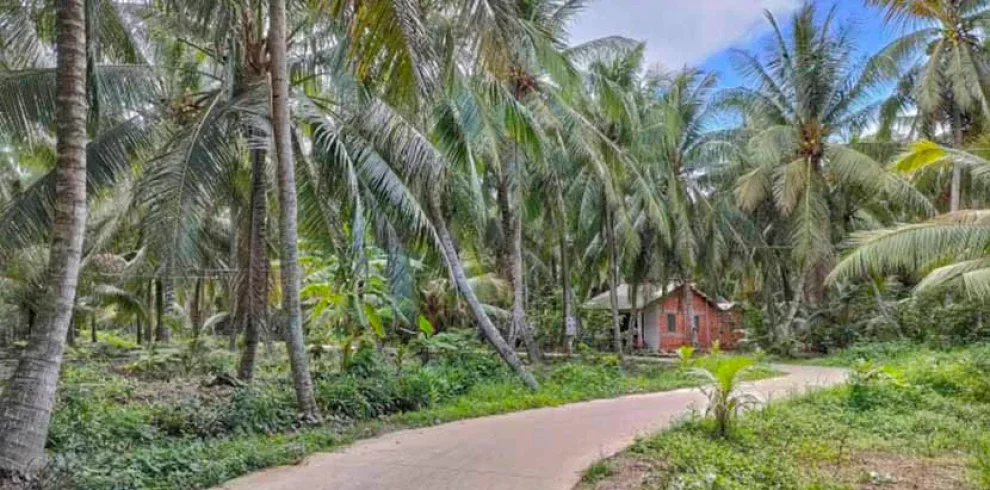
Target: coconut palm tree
26	404
288	210
679	149
806	97
941	66
610	190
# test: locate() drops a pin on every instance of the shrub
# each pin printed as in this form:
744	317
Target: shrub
685	357
418	390
342	397
260	411
380	394
597	379
189	417
111	346
366	362
872	385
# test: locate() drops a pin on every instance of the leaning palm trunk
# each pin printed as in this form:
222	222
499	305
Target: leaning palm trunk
485	324
26	404
288	213
256	305
613	281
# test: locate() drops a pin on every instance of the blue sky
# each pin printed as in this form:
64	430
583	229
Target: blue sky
703	32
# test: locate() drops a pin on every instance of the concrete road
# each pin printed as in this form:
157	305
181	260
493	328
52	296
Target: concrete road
543	449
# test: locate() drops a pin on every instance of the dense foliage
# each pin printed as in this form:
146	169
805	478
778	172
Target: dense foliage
369	183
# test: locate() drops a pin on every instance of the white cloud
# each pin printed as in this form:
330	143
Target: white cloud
679	32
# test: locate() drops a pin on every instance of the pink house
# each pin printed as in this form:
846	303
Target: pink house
664	325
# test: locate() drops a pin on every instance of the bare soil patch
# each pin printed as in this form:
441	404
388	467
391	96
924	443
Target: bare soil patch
862	471
626	471
890	471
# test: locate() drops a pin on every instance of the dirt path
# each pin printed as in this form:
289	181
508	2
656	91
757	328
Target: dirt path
543	449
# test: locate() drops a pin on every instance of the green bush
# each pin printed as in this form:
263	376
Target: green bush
419	390
109	345
598	379
381	394
342	397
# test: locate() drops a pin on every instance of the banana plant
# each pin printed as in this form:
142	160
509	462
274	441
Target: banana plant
346	307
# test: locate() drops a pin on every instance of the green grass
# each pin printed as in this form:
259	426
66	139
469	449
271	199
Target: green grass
114	432
597	472
560	384
925	406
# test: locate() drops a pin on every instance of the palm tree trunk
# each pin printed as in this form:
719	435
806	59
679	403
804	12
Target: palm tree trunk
613	281
26	405
688	300
287	209
232	288
161	330
786	328
569	326
169	310
149	332
485	324
70	336
521	324
504	256
30	317
957	141
196	308
634	316
150	301
256	302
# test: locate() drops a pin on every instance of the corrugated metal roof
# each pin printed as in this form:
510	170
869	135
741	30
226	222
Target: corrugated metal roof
647	293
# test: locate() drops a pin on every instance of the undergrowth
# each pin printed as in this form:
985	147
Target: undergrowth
915	404
156	423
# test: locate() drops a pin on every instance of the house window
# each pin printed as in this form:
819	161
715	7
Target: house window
671	322
697	322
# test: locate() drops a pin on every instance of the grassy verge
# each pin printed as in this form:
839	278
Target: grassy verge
915	417
147	425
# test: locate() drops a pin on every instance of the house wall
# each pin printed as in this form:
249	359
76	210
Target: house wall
730	328
651	334
712	323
